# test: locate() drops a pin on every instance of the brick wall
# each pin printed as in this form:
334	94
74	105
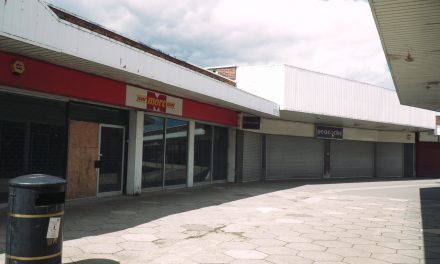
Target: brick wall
228	72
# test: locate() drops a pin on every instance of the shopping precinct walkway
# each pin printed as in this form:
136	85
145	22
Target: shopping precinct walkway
266	222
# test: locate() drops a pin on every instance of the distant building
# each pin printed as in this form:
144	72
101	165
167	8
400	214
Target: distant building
373	134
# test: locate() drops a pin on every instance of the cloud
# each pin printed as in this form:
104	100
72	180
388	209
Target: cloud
336	37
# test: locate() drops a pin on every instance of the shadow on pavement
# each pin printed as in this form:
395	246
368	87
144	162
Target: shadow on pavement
94	261
97	216
430	213
93	217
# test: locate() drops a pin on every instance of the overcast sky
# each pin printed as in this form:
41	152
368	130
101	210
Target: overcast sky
337	37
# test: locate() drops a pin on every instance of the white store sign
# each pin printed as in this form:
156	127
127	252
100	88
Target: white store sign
153	101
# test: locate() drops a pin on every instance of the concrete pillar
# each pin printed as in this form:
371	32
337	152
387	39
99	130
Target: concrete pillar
190	167
134	159
232	135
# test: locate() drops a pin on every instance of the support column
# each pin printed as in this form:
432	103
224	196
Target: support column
134	161
232	136
190	167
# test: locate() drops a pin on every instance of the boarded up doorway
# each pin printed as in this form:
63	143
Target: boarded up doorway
82	154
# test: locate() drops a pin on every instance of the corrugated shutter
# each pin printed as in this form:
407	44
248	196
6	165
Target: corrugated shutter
349	159
294	157
252	156
389	159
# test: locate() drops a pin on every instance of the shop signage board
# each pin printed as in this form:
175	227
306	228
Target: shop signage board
153	101
328	132
251	122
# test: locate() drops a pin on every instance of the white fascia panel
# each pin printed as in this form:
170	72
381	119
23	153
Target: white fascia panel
378	136
318	93
288	128
299	90
33	22
266	81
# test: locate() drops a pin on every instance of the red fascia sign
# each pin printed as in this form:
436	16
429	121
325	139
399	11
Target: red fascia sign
49	78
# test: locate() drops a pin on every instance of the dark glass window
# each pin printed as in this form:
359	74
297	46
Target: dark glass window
47	149
176	152
30	148
33	138
152	156
12	142
220	161
97	114
202	153
110	170
170	168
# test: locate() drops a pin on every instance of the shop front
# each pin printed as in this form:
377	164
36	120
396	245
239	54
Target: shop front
165	152
33	137
181	146
291	150
427	153
96	150
70	124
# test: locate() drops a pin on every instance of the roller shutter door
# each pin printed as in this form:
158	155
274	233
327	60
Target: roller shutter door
294	157
252	156
349	159
389	159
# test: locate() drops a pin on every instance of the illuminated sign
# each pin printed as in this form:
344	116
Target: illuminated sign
153	101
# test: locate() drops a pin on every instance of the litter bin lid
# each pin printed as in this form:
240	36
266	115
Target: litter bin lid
37	181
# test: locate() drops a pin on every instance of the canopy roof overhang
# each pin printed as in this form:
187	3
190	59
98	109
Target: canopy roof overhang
410	35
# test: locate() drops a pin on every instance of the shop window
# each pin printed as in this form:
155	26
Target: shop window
220	161
164	158
47	149
176	152
152	156
202	153
165	152
32	138
12	141
210	153
97	114
30	148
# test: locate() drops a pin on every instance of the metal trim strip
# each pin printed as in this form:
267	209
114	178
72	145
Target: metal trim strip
34	258
36	215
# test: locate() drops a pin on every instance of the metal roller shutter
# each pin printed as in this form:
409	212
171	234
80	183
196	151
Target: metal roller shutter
252	157
294	157
389	159
349	159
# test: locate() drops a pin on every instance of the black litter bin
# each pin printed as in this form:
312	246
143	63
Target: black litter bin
35	219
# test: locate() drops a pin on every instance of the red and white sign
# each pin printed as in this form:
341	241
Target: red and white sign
153	101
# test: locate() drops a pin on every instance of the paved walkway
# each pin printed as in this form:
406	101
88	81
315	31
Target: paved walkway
269	222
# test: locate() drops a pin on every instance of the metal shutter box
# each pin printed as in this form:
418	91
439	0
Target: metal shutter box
252	156
294	157
389	159
349	159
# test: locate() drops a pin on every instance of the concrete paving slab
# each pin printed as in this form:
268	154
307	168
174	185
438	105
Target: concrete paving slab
319	222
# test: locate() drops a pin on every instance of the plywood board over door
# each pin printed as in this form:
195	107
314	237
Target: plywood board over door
82	154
